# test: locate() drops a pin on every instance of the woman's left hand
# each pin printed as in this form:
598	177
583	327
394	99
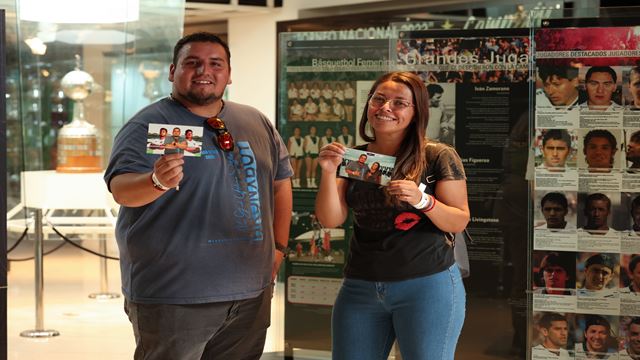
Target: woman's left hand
405	190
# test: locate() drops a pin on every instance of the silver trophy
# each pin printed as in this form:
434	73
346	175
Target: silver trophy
79	147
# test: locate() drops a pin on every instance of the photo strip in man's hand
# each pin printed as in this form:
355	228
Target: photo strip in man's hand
171	139
367	166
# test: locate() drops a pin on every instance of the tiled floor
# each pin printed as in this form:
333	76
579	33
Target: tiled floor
89	329
99	330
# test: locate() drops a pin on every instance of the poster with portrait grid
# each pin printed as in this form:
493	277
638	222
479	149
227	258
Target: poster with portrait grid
585	158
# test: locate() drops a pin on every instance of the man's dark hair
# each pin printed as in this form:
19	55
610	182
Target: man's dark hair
433	89
591	320
600	259
602	69
547	318
597	196
557	259
557	198
635	320
600	133
634	70
632	264
200	37
564	72
165	130
557	134
189	131
635	137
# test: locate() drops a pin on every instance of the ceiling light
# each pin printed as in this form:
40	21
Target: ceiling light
79	12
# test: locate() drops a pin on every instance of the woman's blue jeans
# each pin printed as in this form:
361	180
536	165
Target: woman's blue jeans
425	314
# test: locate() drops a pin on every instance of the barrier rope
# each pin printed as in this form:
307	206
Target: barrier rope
66	241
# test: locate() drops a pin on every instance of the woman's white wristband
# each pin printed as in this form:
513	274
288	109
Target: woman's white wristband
424	202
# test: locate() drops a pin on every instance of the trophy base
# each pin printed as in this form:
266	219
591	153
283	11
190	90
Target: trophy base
79	164
78	170
79	152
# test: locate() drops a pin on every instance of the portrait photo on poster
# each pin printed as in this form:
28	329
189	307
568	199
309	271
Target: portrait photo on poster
367	166
171	139
556	149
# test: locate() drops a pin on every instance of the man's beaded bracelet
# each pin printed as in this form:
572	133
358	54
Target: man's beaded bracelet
157	184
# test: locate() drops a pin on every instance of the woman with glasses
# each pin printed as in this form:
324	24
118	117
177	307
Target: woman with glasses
401	280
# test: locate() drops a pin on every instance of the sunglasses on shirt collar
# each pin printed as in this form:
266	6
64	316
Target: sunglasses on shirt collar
223	137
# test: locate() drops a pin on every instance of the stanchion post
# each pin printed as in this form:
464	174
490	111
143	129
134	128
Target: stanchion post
104	293
39	331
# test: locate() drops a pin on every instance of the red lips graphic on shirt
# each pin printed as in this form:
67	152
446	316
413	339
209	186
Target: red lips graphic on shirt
406	220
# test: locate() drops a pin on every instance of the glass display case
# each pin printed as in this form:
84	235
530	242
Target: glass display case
120	49
75	72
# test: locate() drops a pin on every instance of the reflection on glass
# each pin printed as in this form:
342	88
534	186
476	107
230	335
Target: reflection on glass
151	71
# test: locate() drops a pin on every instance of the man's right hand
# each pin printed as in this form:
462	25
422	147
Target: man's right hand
136	189
168	169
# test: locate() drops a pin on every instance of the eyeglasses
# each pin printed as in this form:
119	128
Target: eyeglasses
378	101
224	138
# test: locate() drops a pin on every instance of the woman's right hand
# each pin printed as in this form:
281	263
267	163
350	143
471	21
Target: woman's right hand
330	156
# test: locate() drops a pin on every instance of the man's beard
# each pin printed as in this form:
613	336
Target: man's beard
201	100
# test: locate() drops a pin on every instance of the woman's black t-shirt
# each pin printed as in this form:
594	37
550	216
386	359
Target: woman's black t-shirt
398	243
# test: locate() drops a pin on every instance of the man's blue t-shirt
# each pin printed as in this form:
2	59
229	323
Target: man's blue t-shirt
212	240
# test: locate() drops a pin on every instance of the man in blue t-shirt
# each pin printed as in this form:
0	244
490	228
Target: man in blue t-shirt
357	169
198	264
